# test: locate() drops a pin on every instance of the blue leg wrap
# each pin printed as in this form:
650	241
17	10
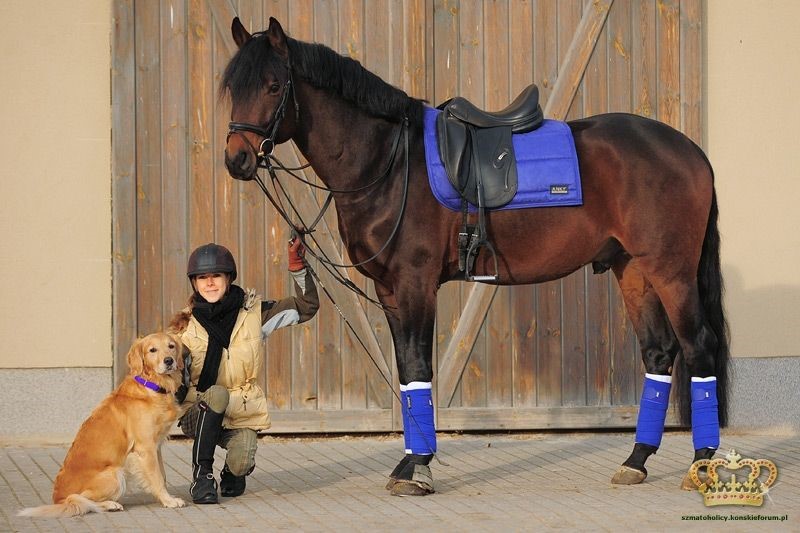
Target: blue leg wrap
419	426
705	414
404	409
652	410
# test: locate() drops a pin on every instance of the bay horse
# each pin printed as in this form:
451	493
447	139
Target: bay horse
649	214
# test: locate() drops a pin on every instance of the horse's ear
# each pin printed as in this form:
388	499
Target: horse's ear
277	38
240	35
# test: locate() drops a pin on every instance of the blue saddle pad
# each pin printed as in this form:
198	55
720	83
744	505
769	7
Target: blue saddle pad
547	167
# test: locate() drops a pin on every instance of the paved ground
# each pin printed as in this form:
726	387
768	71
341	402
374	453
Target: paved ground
518	482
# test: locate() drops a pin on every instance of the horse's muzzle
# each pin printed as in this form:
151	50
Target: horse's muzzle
242	166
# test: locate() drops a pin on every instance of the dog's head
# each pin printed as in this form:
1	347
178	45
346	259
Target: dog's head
155	355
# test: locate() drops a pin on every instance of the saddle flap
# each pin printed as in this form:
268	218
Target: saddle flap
479	162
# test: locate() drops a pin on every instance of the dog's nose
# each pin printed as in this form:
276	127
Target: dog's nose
168	361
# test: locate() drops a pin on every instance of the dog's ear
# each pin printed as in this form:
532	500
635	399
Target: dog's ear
178	349
136	357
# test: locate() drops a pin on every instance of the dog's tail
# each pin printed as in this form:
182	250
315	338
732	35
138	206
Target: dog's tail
73	505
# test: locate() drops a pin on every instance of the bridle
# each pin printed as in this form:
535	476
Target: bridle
266	159
269	131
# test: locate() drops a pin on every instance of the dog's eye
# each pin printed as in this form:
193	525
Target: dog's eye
171	346
153	349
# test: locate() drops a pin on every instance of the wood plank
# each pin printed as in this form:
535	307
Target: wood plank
346	299
643	57
547	370
691	65
522	321
227	190
446	69
573	302
201	126
571	68
376	55
324	421
174	157
252	217
598	355
349	41
279	346
222	14
497	69
472	86
148	167
414	80
123	184
669	90
557	105
623	345
536	418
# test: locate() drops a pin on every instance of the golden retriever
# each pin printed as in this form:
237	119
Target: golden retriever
123	433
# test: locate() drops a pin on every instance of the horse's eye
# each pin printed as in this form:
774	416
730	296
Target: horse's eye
153	349
274	88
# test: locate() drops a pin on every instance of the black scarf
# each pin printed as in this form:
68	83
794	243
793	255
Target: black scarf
218	320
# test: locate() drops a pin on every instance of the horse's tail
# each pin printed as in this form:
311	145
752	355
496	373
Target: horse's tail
73	505
709	279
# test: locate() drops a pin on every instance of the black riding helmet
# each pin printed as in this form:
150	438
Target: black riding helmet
211	258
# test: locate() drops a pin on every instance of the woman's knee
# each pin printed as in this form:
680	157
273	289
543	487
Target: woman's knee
217	398
241	458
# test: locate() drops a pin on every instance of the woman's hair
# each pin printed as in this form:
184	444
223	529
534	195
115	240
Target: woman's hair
181	319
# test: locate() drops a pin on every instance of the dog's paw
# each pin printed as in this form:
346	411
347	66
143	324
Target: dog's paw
172	503
112	506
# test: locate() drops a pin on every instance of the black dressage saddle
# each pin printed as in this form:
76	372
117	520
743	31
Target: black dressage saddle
476	149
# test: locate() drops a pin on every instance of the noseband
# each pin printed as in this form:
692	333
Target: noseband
270	131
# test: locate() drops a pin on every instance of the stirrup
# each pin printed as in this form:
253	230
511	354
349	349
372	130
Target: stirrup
472	253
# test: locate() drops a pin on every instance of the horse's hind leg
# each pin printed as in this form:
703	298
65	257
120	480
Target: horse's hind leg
659	348
699	345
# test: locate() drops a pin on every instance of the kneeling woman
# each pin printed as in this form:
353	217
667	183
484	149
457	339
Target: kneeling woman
222	329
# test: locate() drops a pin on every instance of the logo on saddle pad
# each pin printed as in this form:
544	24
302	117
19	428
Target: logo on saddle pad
559	189
729	491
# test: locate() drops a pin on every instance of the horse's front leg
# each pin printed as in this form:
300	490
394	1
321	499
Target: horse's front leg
411	313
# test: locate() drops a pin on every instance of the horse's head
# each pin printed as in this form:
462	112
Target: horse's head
258	80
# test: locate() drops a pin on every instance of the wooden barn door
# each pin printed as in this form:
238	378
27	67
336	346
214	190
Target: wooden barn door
556	355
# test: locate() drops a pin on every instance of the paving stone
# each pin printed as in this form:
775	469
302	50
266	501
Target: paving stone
518	482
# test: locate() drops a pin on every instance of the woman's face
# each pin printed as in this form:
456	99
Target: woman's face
211	286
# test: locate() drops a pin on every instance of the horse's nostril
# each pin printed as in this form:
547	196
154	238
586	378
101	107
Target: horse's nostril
237	163
168	361
241	160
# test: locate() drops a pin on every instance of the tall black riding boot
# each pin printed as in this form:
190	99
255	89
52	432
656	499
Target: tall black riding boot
209	426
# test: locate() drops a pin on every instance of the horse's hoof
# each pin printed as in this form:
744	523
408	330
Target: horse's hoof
404	487
688	484
391	483
628	476
419	484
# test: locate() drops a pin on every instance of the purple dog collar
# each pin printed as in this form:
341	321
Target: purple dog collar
150	385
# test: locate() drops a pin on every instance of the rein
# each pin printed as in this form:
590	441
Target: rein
265	158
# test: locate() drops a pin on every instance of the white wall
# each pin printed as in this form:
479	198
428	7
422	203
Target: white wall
753	107
56	189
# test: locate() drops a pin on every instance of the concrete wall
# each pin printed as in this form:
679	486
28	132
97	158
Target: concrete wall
55	173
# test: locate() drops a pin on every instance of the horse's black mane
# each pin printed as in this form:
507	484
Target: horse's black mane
322	68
